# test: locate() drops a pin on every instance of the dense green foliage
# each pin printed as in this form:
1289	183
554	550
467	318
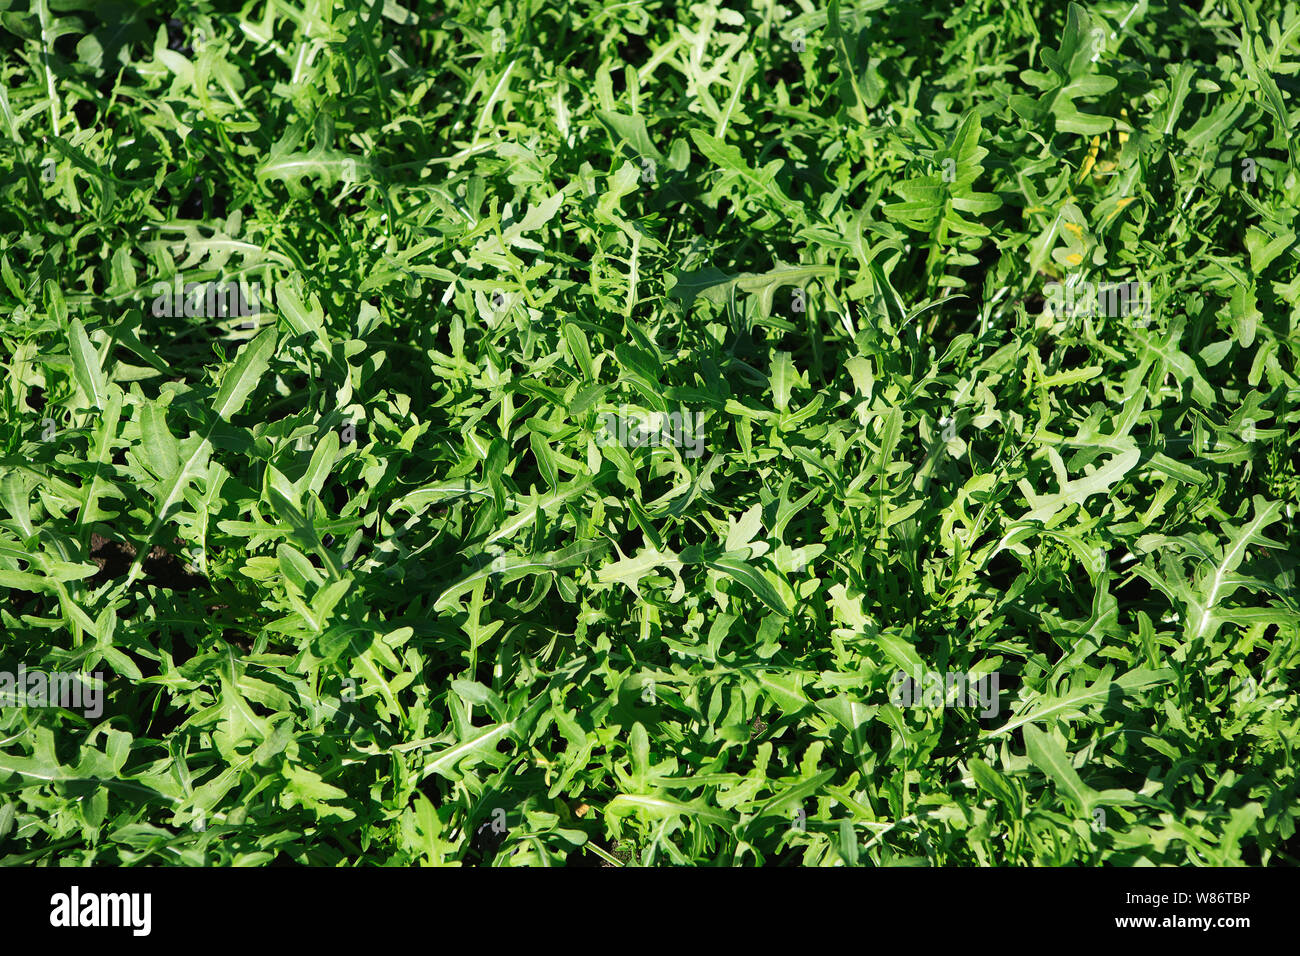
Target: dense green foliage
366	578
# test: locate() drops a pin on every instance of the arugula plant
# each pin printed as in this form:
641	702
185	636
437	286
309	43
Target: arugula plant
363	575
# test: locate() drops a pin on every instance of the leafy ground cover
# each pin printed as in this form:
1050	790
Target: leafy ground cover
634	417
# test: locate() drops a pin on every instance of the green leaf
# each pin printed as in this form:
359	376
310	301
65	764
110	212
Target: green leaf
85	364
244	375
1048	756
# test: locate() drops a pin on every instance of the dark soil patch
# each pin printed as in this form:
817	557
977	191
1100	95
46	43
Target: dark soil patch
161	568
